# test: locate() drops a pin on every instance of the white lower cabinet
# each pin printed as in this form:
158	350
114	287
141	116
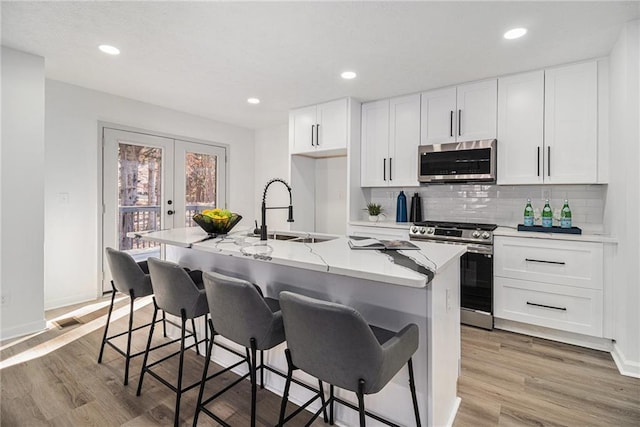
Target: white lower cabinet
554	306
552	283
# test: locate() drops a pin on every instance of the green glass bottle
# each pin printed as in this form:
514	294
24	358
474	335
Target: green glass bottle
528	214
547	215
565	215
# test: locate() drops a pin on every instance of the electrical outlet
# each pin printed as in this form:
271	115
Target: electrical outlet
546	194
4	300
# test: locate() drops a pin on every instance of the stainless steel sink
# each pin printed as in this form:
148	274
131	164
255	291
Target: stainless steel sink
297	238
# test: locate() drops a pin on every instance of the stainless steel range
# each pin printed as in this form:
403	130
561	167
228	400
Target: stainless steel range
476	266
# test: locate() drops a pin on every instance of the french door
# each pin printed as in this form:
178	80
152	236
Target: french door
152	183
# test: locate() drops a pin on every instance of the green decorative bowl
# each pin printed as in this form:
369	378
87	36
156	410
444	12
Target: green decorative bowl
216	226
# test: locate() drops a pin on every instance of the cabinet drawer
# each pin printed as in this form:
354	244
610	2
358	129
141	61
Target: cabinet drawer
550	261
552	306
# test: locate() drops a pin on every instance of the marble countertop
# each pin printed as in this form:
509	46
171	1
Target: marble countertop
414	268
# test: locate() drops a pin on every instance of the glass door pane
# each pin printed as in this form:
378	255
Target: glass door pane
137	192
200	180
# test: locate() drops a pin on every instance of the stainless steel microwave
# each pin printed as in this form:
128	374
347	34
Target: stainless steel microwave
470	161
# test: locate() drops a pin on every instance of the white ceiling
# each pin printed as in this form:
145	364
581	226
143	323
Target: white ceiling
207	58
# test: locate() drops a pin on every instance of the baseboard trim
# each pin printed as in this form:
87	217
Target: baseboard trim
21	330
625	367
454	412
596	343
64	302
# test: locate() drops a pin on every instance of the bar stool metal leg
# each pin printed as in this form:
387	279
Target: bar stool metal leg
254	381
287	385
146	351
204	372
176	419
195	336
106	327
128	354
414	397
331	391
360	394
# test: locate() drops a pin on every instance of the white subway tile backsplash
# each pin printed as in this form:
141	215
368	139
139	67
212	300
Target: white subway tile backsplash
503	205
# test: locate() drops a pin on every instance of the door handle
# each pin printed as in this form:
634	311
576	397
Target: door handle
390	173
312	128
451	124
317	136
538	160
545	262
548	161
384	169
547	306
459	122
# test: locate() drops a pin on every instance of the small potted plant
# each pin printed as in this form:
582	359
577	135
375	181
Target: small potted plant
375	210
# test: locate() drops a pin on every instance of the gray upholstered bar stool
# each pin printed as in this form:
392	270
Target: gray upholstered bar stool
175	293
132	279
241	313
334	343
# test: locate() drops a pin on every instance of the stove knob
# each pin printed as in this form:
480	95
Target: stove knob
475	234
486	235
429	230
414	229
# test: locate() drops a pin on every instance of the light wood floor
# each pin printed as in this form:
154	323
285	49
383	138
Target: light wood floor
507	379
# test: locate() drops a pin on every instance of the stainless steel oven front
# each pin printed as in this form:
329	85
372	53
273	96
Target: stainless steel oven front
476	265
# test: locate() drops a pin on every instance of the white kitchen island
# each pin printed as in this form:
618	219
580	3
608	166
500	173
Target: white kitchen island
389	289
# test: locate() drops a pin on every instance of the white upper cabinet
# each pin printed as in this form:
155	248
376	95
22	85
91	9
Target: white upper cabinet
438	116
520	128
319	130
390	139
547	126
374	150
571	124
463	113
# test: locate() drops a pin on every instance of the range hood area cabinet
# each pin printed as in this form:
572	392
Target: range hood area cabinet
466	112
548	126
321	174
389	142
319	130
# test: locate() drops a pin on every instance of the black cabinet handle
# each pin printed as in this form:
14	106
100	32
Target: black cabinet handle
317	138
538	160
384	169
459	122
547	306
451	124
545	262
549	161
170	212
390	173
312	128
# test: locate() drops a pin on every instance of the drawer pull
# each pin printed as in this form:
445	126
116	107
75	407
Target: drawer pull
544	262
547	306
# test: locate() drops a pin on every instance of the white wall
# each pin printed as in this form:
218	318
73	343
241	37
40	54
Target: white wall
272	161
622	212
22	190
72	147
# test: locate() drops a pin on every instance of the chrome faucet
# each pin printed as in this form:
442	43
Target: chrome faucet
263	226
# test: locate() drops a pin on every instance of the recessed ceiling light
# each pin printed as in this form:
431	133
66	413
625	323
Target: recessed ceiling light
515	33
348	75
253	101
111	50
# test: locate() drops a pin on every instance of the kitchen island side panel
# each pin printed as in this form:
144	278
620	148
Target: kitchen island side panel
435	309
